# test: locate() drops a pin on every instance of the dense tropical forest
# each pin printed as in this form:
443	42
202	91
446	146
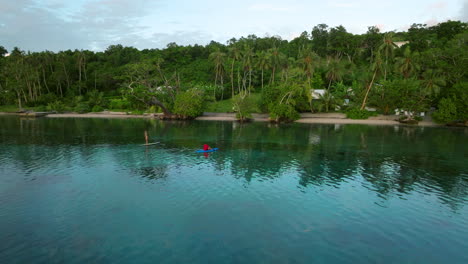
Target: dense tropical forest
422	69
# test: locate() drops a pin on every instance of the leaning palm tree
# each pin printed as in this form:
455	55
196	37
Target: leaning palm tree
376	67
387	47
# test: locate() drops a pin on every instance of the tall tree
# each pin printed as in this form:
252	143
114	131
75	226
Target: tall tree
235	55
387	47
262	63
274	55
247	62
407	64
309	61
335	71
218	58
376	68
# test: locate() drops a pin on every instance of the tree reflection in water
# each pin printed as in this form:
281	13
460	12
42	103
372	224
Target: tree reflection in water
385	159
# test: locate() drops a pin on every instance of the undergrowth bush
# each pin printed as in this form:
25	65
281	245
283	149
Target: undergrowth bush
359	114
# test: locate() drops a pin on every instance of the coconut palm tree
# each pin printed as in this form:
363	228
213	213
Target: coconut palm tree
285	63
406	65
335	71
308	59
387	47
235	55
218	58
432	82
376	67
274	55
247	56
263	63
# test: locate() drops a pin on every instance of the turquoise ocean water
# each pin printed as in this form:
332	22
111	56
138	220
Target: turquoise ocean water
87	191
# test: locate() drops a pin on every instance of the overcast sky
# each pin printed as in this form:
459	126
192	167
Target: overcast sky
38	25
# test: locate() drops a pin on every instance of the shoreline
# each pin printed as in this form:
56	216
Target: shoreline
306	118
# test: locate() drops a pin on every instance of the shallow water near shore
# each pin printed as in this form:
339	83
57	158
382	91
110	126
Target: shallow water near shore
86	191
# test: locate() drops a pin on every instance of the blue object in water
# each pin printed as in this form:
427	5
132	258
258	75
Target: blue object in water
210	150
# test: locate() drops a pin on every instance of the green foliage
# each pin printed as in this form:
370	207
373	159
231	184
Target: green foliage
283	113
136	112
356	113
224	106
269	95
57	106
317	82
295	94
243	105
433	62
458	97
446	112
327	102
153	109
189	104
82	107
95	98
404	94
46	98
97	108
119	103
214	93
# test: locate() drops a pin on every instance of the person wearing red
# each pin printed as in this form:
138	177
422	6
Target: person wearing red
206	147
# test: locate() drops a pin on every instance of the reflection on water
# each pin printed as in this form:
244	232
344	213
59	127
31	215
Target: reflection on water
330	183
388	159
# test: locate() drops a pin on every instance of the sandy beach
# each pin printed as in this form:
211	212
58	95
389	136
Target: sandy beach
308	118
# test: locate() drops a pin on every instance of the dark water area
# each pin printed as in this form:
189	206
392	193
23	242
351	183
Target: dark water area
87	191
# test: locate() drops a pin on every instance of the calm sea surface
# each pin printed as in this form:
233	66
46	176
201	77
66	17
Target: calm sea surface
87	191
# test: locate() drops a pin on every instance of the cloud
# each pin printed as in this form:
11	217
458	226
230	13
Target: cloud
94	24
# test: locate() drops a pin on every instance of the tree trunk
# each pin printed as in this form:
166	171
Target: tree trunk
44	80
232	78
250	80
272	80
19	100
262	80
238	80
222	87
367	92
155	101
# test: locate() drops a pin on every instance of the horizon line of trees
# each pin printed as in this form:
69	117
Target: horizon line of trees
355	70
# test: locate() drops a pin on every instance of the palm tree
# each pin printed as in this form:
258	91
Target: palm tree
285	64
406	65
432	82
307	59
376	67
274	62
335	71
218	58
248	55
327	101
263	62
235	55
387	47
